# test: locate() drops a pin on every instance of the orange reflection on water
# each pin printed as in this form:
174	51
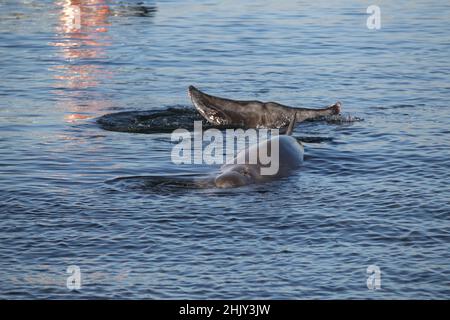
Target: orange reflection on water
82	39
80	15
75	117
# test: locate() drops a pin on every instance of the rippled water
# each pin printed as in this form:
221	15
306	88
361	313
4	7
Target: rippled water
112	203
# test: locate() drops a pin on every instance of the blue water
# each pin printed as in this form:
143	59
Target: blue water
373	193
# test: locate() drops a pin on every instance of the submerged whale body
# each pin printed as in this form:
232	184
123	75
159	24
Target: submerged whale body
237	175
240	171
252	113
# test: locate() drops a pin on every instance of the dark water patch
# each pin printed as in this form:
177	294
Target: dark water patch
312	139
139	9
152	121
161	184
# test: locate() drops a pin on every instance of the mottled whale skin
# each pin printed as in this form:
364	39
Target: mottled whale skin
252	114
239	172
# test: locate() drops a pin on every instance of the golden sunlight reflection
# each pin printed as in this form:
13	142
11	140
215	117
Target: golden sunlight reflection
82	40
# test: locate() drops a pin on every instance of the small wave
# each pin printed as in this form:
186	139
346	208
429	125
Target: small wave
396	106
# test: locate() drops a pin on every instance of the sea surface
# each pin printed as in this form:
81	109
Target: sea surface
113	204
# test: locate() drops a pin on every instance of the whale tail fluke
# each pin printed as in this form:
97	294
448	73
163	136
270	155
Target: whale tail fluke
251	113
214	109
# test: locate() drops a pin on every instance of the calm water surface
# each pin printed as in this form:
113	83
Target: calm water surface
373	192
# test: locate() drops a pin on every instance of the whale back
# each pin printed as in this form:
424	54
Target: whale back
290	154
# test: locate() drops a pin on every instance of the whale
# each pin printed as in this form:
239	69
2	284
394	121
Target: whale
252	113
240	171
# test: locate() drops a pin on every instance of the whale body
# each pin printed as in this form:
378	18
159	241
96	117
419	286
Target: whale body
251	113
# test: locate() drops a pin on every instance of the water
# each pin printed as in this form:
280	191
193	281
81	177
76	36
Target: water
112	203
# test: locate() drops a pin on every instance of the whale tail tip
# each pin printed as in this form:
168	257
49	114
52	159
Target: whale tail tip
336	108
194	90
191	89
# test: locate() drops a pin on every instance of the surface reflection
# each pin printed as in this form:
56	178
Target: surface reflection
82	40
